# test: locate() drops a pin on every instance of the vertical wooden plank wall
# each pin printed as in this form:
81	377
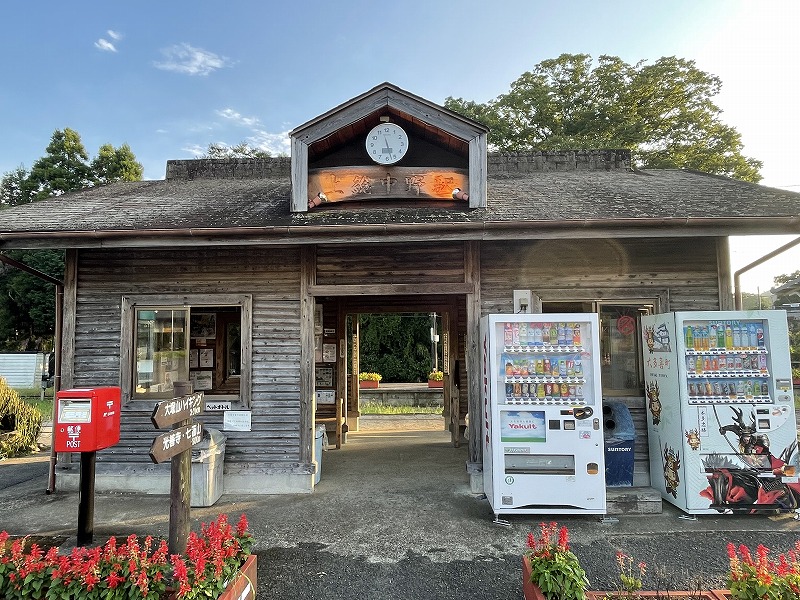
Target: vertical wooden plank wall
681	270
270	275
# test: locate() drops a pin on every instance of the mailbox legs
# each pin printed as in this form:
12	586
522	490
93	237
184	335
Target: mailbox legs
86	504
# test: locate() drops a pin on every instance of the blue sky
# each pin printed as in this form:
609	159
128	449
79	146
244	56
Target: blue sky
168	78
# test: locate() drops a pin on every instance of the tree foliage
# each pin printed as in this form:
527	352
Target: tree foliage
396	346
663	112
27	304
240	150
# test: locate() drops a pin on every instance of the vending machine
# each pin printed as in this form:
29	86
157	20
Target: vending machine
542	432
720	411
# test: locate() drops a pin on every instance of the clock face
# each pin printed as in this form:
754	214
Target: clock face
387	143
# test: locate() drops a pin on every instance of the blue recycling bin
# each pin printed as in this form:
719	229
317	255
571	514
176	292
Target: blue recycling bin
620	436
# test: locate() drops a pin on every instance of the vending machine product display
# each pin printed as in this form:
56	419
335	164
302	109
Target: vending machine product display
721	417
542	432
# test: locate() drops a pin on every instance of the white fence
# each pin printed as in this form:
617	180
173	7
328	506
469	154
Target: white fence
22	369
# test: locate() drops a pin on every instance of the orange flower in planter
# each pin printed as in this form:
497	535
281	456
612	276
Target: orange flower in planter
555	572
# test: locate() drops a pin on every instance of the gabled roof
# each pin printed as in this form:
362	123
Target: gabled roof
523	202
387	95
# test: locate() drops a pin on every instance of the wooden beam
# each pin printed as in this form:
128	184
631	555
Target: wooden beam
307	400
725	278
478	172
390	289
299	178
472	275
70	308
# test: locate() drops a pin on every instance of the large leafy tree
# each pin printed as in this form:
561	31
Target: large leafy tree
663	112
396	346
27	303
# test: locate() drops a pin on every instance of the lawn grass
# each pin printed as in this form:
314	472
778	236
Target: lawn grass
376	408
33	396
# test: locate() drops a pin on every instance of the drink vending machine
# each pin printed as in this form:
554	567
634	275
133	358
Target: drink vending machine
721	417
542	432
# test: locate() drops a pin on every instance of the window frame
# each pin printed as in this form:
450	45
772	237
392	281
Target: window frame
131	303
658	300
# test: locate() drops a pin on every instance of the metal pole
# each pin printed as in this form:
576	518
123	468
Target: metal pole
86	504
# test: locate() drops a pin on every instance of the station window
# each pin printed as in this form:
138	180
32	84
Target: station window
207	345
620	341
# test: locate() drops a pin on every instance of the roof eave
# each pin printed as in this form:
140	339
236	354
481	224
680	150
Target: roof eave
385	232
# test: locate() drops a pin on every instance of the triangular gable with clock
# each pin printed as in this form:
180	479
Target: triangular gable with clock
388	145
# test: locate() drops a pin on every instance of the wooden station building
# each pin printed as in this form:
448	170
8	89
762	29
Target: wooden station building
243	276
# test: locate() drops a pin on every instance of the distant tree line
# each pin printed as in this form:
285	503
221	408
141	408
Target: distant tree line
27	304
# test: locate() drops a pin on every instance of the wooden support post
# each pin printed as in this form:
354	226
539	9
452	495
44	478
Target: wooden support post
180	486
86	500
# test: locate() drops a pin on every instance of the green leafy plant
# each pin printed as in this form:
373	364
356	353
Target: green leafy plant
554	567
135	570
435	376
630	576
761	578
369	377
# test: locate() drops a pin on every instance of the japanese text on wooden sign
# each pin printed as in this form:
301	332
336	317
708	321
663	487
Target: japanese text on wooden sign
173	411
180	439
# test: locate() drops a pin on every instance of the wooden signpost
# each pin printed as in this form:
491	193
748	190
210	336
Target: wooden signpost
176	445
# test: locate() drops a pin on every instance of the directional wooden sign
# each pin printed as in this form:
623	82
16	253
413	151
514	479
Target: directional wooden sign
178	440
173	411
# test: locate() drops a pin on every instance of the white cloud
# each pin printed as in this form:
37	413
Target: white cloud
232	115
105	45
114	35
184	58
194	150
274	143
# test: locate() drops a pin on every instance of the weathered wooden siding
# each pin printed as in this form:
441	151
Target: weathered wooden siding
390	263
682	272
270	275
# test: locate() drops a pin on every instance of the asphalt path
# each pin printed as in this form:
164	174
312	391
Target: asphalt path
394	517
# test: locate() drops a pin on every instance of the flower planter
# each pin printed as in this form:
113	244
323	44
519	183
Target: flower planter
529	589
367	384
434	383
700	595
241	587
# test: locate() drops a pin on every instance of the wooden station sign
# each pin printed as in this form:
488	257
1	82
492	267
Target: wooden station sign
173	442
173	411
338	184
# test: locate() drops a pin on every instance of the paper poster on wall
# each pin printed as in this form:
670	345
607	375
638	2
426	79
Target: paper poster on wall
202	380
317	348
207	358
236	420
203	325
194	358
323	377
318	320
328	353
326	396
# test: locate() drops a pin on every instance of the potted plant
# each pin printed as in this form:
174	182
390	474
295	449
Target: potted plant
550	571
435	379
369	380
218	565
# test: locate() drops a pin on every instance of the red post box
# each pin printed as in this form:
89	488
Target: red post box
87	419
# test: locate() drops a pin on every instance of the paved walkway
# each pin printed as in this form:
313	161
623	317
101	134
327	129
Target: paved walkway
393	518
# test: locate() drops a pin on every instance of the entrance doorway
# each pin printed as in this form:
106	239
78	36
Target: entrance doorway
339	341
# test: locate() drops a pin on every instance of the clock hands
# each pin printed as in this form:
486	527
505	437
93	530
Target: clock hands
388	147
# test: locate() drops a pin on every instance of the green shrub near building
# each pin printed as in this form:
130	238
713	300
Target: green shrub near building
20	423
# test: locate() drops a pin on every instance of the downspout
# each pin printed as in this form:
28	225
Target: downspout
737	288
59	314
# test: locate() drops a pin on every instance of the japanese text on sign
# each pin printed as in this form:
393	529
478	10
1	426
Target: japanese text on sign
660	363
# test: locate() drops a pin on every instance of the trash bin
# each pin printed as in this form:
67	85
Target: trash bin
319	436
619	435
208	459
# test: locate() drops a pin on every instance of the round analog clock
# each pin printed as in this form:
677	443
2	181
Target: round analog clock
387	143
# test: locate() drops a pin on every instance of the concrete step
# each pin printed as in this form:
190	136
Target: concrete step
633	500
